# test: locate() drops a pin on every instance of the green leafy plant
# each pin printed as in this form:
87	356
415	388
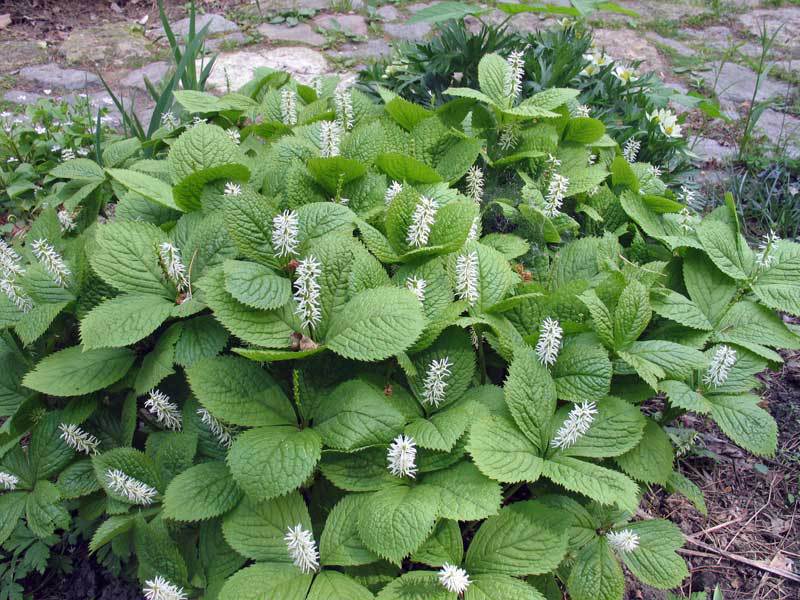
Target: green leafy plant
303	355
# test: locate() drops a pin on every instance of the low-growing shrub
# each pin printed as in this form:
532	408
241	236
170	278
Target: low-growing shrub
300	359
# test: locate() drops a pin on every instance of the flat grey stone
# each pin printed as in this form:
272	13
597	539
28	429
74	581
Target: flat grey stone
154	72
735	83
355	24
216	24
709	150
787	19
375	48
388	13
22	97
780	129
413	32
17	54
627	45
53	76
675	45
418	6
278	6
236	68
302	33
111	43
226	40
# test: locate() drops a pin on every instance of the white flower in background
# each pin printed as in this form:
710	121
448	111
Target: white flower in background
51	260
161	589
67	154
285	228
467	277
549	342
623	541
12	159
224	433
625	74
583	110
307	291
474	230
593	191
508	138
422	220
556	191
82	152
330	133
197	120
288	106
317	85
232	189
475	181
392	191
66	220
417	285
685	219
552	162
234	134
166	413
78	439
435	383
721	364
130	488
8	482
590	69
402	456
655	171
765	257
173	264
343	102
577	423
516	72
169	120
40	129
302	548
689	197
631	150
592	159
454	579
667	121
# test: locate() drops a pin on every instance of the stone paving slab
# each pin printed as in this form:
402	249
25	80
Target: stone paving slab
355	24
53	76
735	83
111	43
235	69
19	53
155	72
302	33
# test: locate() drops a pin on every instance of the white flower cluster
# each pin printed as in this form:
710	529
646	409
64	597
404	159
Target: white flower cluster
234	135
166	413
689	197
67	154
667	121
596	62
475	182
467	277
422	220
582	110
8	482
508	138
343	102
454	579
285	229
232	189
224	433
10	269
307	290
78	439
417	285
556	190
302	548
161	589
516	73
402	457
631	150
169	120
549	342
66	220
625	74
577	423
330	134
288	106
765	257
685	220
474	229
623	541
173	265
130	488
392	191
721	364
51	260
435	384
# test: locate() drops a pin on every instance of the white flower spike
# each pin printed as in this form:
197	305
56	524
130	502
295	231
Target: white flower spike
454	579
330	133
288	107
173	264
128	487
232	189
685	220
166	413
78	439
15	294
307	291
549	342
392	191
623	541
516	72
508	138
467	277
475	181
285	229
302	548
224	433
417	285
422	220
402	457
556	190
721	365
435	384
474	229
8	482
582	110
234	134
51	260
66	220
631	150
343	102
575	426
765	257
161	589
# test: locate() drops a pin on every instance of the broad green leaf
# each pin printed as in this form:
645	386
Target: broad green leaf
682	396
747	424
749	323
332	584
340	543
727	249
415	585
109	529
631	315
443	11
650	461
454	346
124	320
78	168
443	429
43	511
248	218
603	323
270	461
710	289
77	480
530	395
584	130
655	561
335	171
267	580
677	307
601	484
158	553
682	485
778	286
12	505
502	452
73	372
201	337
617	428
489	586
444	546
461	92
158	364
596	574
132	462
202	492
493	77
465	494
675	360
405	168
405	113
239	392
148	187
582	372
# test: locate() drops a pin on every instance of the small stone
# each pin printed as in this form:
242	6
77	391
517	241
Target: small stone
735	83
413	32
236	68
388	13
227	41
17	54
355	24
302	33
781	129
53	76
627	45
112	43
279	6
371	49
216	24
709	150
154	72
